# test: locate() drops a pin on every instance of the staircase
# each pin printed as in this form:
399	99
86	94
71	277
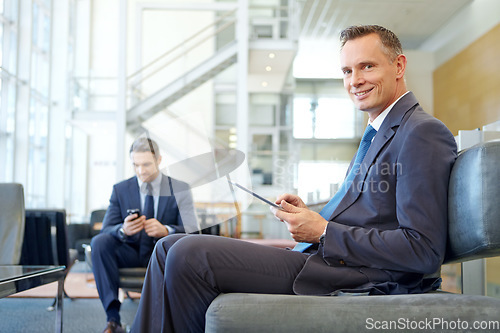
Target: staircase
146	107
167	95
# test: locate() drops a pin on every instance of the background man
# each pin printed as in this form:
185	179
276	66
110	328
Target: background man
382	233
127	240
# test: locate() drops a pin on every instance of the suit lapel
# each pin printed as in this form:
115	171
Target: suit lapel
384	135
135	198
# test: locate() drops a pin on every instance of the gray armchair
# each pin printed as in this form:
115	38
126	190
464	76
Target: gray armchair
11	223
473	232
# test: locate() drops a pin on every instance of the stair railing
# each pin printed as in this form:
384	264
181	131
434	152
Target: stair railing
136	79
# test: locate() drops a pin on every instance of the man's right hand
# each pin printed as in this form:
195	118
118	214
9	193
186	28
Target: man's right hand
133	224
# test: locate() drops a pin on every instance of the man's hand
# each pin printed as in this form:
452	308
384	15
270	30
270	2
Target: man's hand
155	229
133	224
291	199
304	224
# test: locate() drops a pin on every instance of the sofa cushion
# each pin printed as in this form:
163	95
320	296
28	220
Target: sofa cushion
284	313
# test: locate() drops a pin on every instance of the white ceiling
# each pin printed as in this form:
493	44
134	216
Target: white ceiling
413	21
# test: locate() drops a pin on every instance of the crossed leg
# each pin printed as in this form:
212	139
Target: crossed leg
187	272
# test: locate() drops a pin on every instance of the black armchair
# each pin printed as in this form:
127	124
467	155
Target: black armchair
131	278
45	240
80	234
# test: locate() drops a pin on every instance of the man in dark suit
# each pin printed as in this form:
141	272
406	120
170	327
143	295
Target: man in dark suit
384	231
127	238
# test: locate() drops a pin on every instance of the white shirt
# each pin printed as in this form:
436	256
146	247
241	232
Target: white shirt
380	118
156	183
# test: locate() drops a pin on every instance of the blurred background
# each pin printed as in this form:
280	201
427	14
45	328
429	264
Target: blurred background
81	79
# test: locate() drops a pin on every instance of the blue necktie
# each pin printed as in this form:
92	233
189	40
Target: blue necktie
149	206
327	211
146	243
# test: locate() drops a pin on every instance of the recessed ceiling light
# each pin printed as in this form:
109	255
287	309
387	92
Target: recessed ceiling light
272	55
264	84
268	68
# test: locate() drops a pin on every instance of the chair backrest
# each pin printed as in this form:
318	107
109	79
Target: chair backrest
45	238
474	204
11	223
96	216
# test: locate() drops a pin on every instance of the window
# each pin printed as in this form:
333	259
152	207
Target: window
25	96
324	118
8	86
319	180
36	187
327	128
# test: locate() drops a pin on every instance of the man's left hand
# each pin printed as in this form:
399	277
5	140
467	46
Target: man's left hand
154	228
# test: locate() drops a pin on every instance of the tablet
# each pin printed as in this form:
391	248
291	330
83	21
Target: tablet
255	195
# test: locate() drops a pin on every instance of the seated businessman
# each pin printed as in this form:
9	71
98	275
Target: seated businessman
142	209
384	231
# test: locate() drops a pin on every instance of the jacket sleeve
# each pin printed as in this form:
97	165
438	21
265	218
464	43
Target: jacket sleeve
113	219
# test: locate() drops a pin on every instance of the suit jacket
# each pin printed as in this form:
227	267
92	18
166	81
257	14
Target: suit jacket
175	198
389	231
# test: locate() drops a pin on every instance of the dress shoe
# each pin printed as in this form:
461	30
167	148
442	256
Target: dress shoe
113	327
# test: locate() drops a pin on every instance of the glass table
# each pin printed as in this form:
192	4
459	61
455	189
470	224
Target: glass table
17	278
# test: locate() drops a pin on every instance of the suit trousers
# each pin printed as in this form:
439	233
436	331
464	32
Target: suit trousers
187	272
108	255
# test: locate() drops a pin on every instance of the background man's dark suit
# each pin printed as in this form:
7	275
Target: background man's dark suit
135	250
126	195
389	231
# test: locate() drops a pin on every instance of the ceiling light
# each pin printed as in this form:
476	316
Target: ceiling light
268	68
272	55
264	84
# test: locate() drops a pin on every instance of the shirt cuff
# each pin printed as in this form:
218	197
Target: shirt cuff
170	230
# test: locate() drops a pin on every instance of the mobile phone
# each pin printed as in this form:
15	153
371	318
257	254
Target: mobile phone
133	211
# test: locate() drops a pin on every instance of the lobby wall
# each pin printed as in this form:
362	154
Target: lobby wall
467	87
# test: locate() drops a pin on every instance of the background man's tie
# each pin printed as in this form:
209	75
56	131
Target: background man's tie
146	242
327	211
149	206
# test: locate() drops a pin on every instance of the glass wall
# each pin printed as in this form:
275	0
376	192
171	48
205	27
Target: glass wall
8	85
326	129
27	105
39	104
323	118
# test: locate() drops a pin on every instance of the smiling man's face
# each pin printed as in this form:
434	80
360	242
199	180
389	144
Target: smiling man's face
145	165
371	79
